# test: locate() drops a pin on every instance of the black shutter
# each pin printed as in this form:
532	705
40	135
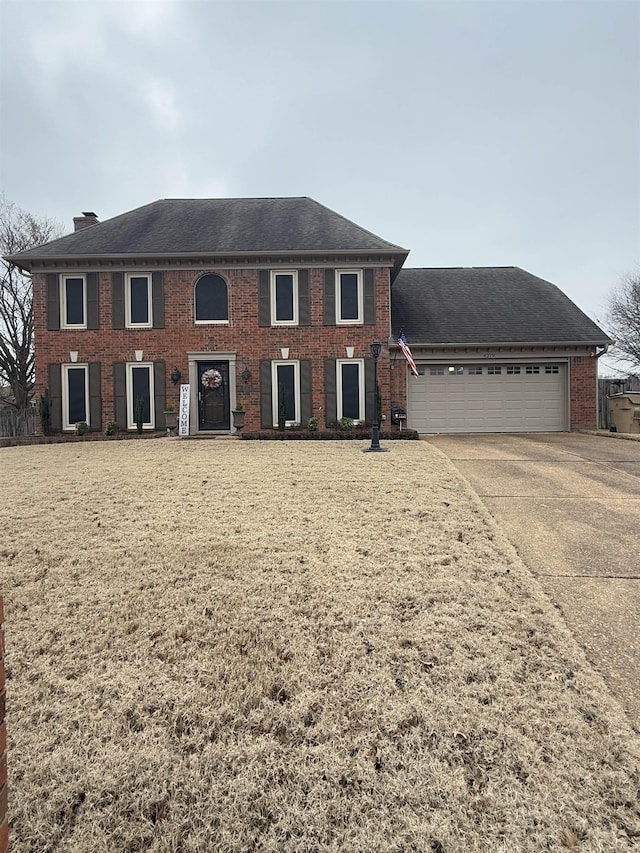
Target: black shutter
330	392
264	299
369	298
53	302
159	392
330	298
55	393
305	390
157	299
95	397
266	410
304	310
120	394
369	391
93	301
117	301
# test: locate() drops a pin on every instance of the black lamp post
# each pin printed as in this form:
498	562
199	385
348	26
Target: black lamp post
376	349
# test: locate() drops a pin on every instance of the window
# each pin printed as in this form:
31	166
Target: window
74	302
494	370
211	300
350	387
284	298
75	395
456	371
533	368
474	371
285	391
513	369
138	301
551	368
349	301
436	371
140	393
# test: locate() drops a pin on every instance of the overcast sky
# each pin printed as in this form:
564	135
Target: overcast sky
473	133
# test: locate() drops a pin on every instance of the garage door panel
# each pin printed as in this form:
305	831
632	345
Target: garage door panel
489	402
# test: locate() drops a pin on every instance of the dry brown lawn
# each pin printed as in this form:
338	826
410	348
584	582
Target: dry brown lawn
227	646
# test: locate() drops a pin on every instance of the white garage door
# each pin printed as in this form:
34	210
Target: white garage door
487	398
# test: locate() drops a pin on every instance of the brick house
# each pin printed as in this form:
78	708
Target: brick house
273	303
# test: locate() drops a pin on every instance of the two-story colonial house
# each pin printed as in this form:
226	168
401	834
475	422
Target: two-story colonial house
274	303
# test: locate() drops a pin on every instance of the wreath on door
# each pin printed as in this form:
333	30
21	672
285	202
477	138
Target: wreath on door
211	379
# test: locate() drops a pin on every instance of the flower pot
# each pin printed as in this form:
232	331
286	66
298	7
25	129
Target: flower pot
238	418
171	421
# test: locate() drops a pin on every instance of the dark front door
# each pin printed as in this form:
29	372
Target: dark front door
213	395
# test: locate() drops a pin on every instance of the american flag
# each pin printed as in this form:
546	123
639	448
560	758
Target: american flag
404	346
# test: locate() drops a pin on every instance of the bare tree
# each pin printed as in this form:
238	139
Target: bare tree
19	230
624	321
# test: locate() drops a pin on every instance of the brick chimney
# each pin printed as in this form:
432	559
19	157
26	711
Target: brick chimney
88	218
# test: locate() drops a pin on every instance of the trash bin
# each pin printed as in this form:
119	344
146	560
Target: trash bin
625	411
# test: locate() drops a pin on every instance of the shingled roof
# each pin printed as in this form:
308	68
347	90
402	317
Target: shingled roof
216	226
486	305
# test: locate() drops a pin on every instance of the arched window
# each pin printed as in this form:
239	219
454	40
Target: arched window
211	299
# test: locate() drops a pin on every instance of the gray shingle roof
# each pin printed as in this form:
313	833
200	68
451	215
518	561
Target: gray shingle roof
217	226
486	305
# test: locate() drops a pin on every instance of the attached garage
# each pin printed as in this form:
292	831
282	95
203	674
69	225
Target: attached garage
494	397
497	349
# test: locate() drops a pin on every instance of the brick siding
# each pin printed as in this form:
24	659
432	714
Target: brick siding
583	392
243	336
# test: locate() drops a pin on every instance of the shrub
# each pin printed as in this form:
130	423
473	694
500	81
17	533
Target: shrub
82	427
312	424
111	428
44	410
346	424
138	413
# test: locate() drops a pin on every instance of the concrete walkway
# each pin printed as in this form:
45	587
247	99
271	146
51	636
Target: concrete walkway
570	504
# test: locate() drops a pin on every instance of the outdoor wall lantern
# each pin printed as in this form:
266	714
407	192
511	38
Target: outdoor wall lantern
246	375
176	376
376	349
73	355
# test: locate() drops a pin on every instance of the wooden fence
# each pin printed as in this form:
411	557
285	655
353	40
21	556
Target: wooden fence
607	386
14	423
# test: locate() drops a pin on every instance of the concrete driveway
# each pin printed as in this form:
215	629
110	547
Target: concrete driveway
570	504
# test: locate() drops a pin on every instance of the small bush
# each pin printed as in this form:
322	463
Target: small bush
346	424
312	424
44	410
82	427
111	428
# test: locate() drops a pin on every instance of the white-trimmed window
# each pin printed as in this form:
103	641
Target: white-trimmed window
211	299
140	392
75	395
533	369
285	391
494	370
513	370
137	301
350	388
349	297
551	368
456	370
474	371
73	302
438	370
284	298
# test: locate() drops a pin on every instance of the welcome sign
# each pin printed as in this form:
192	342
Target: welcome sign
183	411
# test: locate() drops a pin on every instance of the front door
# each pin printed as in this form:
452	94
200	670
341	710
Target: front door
213	395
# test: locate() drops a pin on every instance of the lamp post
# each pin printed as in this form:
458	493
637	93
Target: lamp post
376	349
